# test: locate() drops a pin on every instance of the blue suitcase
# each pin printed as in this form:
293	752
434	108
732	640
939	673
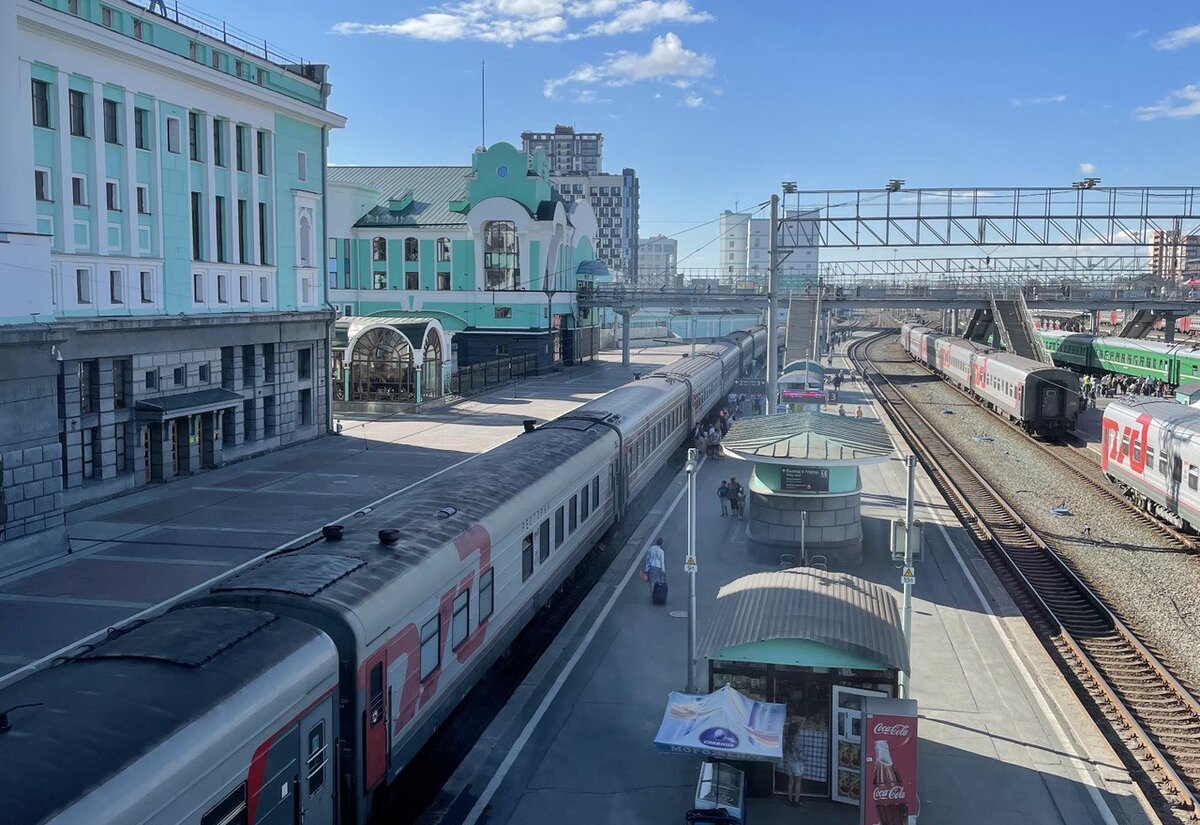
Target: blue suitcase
658	594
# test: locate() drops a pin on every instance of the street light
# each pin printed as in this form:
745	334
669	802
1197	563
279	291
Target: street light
689	567
790	188
894	185
1086	183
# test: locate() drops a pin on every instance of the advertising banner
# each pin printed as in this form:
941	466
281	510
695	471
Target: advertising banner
724	724
889	754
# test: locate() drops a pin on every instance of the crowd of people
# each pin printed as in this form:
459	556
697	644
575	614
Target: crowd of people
1111	385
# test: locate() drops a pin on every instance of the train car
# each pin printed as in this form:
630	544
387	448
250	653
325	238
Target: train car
920	342
954	357
1151	448
1068	349
1134	356
1039	397
201	715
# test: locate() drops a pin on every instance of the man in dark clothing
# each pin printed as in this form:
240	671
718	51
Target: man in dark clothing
723	494
736	495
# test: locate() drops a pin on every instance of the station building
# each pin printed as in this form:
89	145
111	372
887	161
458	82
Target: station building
163	308
438	268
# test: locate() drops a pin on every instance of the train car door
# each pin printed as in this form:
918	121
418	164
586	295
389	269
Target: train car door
314	794
374	723
1051	406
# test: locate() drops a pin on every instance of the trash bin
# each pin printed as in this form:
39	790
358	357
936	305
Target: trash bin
720	795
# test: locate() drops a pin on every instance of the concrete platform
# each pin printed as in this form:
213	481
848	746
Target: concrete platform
1003	740
131	553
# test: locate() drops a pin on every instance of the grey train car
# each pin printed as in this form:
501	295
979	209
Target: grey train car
410	606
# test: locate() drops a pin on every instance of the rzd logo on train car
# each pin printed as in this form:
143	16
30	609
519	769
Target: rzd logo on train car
1125	444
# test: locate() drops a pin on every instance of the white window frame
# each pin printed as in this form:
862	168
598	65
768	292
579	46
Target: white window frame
146	279
174	135
114	186
222	288
83	286
116	296
199	287
243	289
143	199
47	180
302	166
460	620
431	634
82	190
264	289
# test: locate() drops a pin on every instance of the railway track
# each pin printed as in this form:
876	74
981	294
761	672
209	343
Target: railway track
1151	719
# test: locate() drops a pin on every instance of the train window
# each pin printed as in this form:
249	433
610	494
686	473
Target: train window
1193	478
431	647
527	557
375	694
596	492
583	503
318	756
460	619
229	811
1162	463
1149	456
544	540
558	527
574	509
1125	445
1135	451
487	600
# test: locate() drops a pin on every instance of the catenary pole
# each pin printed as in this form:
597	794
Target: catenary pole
910	461
772	331
693	458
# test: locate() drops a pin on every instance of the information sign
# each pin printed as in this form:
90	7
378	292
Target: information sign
689	565
804	479
908	575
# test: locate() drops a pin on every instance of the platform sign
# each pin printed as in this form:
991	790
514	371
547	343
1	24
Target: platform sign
908	575
804	479
898	540
689	565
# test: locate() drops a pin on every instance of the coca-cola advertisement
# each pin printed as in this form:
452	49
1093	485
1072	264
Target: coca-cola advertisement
889	770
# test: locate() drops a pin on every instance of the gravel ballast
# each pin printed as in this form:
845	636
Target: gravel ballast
1155	588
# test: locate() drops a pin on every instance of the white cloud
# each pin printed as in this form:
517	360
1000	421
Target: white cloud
1038	101
693	101
1139	33
667	60
1178	39
512	21
1087	168
1181	104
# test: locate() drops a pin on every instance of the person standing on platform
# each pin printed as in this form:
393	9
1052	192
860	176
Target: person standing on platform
858	412
723	494
654	569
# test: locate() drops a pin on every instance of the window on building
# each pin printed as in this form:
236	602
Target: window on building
83	286
443	280
222	288
204	373
112	196
243	229
194	142
151	378
412	280
197	226
411	249
501	256
262	152
487	600
218	142
79	190
503	312
460	619
443	250
197	287
173	139
146	279
244	289
138	30
116	286
194	50
304	401
221	221
215	58
263	235
41	104
527	557
239	148
89	438
270	422
110	121
264	290
305	241
78	115
378	249
179	374
301	166
41	185
431	647
120	376
143	199
89	380
304	364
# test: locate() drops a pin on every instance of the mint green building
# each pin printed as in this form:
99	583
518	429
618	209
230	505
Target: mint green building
164	307
488	255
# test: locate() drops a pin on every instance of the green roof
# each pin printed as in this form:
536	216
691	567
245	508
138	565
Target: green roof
808	438
430	190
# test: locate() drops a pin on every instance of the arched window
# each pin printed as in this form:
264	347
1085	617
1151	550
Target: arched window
305	241
443	250
431	381
378	249
501	256
411	248
381	368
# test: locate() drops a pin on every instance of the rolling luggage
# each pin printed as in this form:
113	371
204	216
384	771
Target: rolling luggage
658	593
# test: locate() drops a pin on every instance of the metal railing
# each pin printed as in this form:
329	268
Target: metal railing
477	378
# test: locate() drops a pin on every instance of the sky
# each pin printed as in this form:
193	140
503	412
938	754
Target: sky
715	102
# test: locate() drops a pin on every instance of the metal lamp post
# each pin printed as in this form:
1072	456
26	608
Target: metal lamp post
910	461
693	464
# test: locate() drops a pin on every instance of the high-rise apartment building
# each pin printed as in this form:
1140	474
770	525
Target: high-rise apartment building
163	306
567	150
657	259
1173	255
744	258
614	199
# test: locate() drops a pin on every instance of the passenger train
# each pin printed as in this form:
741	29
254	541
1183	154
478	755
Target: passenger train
1151	449
1039	397
296	690
1174	363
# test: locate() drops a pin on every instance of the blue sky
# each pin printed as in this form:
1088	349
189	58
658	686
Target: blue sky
714	103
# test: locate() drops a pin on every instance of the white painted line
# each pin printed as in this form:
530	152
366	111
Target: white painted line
514	751
8	678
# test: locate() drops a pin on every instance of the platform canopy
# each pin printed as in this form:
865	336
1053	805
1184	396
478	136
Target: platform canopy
834	610
808	438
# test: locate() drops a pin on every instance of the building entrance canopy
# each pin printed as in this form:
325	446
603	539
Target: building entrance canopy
165	407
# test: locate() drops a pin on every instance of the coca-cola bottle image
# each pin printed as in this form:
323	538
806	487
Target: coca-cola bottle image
885	771
891	813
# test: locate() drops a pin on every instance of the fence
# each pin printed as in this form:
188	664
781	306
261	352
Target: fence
483	376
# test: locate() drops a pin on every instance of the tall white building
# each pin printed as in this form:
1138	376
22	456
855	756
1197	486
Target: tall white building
744	258
566	149
657	259
614	199
733	239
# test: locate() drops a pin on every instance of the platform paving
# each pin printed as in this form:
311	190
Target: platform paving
131	553
1003	740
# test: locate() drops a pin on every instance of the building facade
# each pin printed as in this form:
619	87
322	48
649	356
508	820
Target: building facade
1174	255
614	199
657	260
745	257
485	259
566	150
165	310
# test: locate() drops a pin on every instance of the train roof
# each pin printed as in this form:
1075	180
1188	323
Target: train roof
1020	362
116	703
1180	416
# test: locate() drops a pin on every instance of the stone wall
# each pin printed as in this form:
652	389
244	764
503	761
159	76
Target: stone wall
833	528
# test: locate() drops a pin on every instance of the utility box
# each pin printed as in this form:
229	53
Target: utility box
898	541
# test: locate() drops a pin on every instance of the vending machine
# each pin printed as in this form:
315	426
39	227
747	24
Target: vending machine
888	792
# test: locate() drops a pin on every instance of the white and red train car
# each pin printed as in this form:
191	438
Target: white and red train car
1151	448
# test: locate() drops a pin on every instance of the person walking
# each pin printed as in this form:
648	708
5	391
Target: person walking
736	496
858	412
654	569
723	494
714	442
1087	532
841	409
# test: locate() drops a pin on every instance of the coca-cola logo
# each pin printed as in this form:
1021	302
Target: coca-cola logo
719	738
894	729
889	794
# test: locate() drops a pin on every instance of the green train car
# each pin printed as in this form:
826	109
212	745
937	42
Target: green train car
1172	363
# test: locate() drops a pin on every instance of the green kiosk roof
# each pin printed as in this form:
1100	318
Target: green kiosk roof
808	438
